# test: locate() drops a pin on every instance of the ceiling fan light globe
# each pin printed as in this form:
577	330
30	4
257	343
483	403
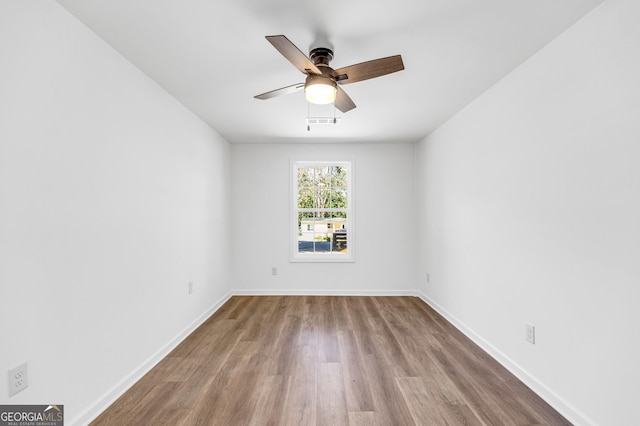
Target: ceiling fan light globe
320	92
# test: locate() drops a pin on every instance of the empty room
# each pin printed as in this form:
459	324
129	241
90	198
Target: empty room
318	212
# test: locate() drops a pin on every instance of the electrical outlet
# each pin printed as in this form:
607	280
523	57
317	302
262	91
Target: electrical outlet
530	333
190	287
274	270
18	379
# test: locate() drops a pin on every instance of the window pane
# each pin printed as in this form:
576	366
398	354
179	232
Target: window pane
339	233
305	198
313	236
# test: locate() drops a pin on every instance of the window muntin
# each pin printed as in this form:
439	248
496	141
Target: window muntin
322	211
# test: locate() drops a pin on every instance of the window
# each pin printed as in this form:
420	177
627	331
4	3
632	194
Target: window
321	211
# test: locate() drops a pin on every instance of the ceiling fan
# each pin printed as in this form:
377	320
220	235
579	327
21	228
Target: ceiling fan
322	85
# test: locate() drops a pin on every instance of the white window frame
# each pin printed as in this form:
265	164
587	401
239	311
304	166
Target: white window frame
296	256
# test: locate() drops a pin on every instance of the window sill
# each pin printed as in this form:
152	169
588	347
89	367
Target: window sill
323	259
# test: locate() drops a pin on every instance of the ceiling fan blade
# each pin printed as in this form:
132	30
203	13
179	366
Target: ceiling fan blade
293	54
281	91
343	102
369	69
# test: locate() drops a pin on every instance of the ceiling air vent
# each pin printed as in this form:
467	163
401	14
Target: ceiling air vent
323	120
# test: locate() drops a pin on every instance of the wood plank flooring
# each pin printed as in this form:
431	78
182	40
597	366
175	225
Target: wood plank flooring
320	360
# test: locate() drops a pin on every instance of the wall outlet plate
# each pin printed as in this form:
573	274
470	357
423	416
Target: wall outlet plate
18	379
530	333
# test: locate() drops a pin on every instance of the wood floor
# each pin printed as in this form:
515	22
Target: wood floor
316	360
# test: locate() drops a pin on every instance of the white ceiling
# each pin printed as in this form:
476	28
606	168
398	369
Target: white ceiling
213	57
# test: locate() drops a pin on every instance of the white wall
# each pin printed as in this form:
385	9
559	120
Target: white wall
113	197
531	199
383	177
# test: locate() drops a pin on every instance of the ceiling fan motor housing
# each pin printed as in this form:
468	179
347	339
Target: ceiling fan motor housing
321	56
323	78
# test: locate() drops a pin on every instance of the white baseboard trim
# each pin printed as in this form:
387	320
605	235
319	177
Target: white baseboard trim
572	414
90	413
294	292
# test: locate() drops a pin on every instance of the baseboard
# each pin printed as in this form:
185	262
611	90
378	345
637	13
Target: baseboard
563	407
294	292
102	403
